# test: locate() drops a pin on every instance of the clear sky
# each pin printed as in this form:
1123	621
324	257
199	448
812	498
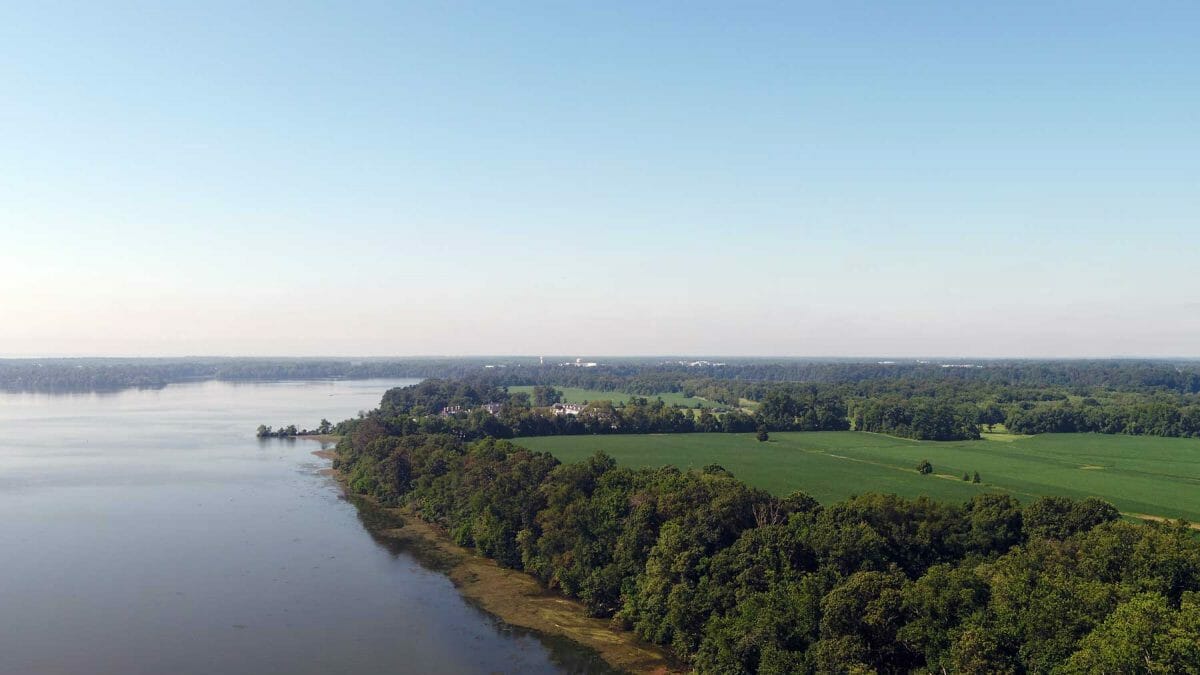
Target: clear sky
834	178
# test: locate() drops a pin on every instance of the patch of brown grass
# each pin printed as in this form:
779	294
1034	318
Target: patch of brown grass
517	598
520	600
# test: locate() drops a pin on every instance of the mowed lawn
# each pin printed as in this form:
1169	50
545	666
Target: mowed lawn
1142	475
577	395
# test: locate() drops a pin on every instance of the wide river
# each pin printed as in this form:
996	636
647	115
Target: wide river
149	531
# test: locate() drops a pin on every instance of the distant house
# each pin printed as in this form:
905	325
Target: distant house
490	408
568	408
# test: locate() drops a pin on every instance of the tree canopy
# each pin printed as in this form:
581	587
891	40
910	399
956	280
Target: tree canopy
735	580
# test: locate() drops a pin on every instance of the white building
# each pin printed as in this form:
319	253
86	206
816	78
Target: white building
568	408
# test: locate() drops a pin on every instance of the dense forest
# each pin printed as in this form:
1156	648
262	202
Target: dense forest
734	580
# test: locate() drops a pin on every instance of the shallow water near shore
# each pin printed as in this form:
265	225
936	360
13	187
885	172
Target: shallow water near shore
149	531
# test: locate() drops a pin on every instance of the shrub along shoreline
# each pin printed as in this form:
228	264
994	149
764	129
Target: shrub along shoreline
514	597
732	579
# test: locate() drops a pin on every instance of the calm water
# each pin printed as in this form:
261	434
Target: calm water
150	532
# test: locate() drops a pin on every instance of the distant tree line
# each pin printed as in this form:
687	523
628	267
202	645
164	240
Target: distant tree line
641	376
290	431
922	419
418	409
1149	418
957	408
915	400
951	404
116	374
735	580
923	411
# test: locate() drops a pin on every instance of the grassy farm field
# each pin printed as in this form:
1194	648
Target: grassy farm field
577	395
1140	474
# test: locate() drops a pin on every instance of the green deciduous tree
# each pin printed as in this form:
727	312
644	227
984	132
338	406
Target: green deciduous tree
1143	635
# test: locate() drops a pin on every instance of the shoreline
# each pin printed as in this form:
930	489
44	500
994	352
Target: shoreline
520	600
514	597
320	438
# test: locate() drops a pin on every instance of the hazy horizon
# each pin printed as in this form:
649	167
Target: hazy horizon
272	179
932	358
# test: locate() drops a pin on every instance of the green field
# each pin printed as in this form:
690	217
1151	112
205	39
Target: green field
1140	474
577	395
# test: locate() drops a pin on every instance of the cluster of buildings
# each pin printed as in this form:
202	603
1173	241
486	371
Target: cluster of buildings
944	365
489	408
494	409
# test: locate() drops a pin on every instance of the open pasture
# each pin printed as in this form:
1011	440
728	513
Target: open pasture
1140	474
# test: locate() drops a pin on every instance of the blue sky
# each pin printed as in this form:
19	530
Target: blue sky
1019	179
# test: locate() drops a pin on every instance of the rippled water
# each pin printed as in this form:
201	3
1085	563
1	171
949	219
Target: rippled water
151	532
